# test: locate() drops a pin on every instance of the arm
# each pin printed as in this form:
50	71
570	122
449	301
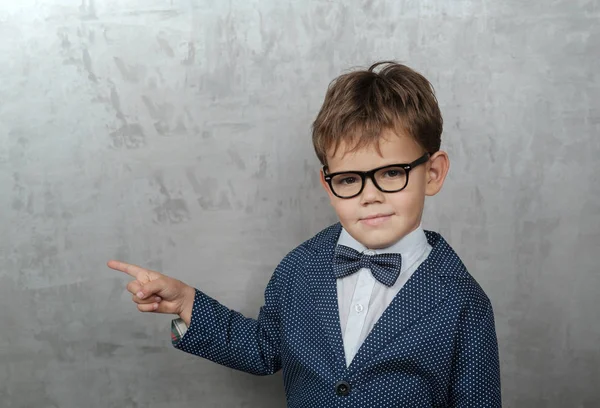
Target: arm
228	338
475	378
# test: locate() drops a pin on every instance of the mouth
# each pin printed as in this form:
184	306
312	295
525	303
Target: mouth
375	219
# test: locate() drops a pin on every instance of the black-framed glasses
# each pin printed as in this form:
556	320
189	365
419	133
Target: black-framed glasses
388	179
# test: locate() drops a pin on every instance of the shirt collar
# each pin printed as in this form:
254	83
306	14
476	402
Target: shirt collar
411	246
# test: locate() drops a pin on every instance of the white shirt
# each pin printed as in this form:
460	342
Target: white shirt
362	299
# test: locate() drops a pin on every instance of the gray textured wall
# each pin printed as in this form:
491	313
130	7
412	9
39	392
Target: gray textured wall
170	133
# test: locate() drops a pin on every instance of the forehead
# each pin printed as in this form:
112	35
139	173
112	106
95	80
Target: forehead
390	148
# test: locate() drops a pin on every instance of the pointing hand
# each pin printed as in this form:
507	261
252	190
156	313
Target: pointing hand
155	292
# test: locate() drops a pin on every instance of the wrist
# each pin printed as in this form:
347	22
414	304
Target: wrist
187	305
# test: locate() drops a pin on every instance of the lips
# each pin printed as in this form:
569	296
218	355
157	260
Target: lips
370	217
375	219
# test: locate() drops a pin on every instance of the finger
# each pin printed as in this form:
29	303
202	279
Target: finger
151	307
134	287
129	269
152	299
154	307
155	287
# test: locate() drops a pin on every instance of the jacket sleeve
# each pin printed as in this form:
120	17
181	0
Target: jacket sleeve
475	378
226	337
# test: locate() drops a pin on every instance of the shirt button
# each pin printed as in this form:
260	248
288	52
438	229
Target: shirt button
342	388
358	307
369	252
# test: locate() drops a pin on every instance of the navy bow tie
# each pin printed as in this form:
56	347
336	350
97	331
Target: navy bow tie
384	267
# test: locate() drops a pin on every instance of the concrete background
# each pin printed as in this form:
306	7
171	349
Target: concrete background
175	135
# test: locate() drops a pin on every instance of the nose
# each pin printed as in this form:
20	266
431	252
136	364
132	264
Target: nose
370	193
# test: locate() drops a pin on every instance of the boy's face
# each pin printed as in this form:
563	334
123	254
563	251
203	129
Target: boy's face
374	218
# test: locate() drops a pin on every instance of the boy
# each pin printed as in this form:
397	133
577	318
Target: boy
373	311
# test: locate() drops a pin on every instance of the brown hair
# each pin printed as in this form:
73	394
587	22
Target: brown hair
359	105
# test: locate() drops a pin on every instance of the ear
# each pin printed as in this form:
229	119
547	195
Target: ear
437	169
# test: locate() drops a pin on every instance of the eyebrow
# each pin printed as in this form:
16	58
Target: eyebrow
362	171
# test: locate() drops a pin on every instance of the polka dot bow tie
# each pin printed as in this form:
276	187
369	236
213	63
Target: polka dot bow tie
384	267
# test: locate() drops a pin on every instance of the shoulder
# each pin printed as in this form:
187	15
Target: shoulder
463	287
321	242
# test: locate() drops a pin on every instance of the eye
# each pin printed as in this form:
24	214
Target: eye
348	180
393	173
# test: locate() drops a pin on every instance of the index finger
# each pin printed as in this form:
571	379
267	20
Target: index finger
129	269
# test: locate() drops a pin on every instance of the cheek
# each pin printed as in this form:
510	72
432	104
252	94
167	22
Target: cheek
408	205
345	209
418	181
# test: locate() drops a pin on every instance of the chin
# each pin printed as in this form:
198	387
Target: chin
381	236
377	239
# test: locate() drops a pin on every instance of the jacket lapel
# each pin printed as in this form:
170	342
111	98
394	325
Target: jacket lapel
418	297
322	282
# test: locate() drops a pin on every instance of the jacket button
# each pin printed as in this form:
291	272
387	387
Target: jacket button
342	388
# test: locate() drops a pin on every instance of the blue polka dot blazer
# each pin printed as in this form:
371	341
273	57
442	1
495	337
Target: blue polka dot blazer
434	346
